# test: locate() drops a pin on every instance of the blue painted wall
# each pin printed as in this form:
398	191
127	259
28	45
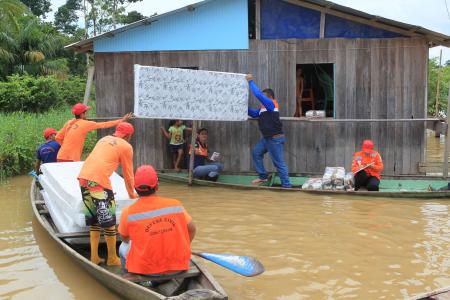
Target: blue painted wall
213	25
282	20
339	27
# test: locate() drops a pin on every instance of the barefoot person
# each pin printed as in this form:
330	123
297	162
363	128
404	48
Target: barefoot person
176	141
272	130
204	167
71	137
96	189
156	231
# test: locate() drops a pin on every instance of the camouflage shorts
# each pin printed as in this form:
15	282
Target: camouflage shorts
99	204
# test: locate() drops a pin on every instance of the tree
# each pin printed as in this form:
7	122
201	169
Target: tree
66	17
444	77
447	63
10	10
35	49
131	17
38	7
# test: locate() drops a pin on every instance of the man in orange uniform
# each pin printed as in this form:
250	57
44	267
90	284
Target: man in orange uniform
71	137
157	232
98	197
367	167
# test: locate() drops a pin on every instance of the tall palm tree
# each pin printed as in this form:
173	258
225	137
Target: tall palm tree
10	10
32	49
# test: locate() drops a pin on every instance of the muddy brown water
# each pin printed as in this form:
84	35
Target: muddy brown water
313	247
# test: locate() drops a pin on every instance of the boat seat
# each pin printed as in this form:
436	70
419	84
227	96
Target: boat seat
192	272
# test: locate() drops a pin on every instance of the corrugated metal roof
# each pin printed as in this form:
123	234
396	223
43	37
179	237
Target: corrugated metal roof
435	38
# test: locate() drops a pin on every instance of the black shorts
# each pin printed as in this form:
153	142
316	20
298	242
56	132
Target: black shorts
175	148
99	205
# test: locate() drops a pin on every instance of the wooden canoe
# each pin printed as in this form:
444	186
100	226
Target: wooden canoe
197	283
439	294
390	187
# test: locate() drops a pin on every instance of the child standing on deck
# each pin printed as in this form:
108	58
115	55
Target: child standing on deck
176	143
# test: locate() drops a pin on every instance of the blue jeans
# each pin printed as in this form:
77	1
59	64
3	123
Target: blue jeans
275	148
210	169
123	254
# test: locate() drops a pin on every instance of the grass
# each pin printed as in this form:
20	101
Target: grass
21	134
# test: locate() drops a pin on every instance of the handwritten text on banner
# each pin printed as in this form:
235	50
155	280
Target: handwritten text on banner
171	93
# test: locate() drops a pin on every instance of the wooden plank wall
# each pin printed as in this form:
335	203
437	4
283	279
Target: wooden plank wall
374	78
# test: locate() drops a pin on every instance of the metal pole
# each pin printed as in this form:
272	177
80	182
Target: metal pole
445	172
191	158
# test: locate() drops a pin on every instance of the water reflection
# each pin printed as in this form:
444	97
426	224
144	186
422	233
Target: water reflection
313	247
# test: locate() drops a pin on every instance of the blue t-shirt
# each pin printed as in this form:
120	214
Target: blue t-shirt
47	152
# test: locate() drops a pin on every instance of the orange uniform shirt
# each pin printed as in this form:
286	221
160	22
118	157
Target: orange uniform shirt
366	158
108	153
71	137
157	227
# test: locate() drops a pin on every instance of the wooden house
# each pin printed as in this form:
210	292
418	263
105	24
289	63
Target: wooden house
368	73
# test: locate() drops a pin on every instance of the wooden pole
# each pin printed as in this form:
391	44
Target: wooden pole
195	125
87	91
445	172
436	114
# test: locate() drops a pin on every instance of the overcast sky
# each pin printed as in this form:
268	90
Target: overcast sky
431	14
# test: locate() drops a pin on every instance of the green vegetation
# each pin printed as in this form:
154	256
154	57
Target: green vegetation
39	94
433	74
21	135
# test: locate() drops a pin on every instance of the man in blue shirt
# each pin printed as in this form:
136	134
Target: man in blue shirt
48	151
272	131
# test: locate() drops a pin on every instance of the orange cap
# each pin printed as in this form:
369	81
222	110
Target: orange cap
79	108
49	131
367	145
124	129
145	177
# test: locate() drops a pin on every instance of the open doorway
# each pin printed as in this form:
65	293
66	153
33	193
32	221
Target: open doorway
314	90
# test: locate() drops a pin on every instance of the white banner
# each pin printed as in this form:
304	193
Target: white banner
171	93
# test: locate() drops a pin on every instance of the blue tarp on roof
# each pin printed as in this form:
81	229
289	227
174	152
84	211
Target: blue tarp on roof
282	20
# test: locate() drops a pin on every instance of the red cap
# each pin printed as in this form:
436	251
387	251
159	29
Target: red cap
145	176
124	129
79	108
49	131
367	145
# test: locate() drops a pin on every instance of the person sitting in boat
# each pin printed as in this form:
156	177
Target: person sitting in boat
48	151
71	137
273	138
204	167
367	166
156	231
96	190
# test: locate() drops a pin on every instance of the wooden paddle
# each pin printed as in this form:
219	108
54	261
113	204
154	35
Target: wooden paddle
243	265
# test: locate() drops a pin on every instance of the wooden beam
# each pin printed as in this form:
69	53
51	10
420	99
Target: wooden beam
447	140
322	24
195	127
87	91
258	19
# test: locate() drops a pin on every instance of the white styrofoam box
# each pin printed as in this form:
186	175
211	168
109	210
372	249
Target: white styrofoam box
63	223
63	176
63	195
60	205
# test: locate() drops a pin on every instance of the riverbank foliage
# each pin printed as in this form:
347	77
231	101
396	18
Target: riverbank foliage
21	135
39	94
435	74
